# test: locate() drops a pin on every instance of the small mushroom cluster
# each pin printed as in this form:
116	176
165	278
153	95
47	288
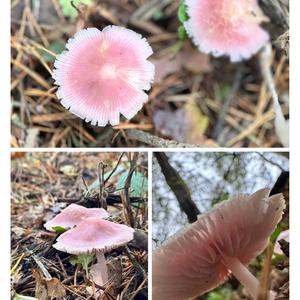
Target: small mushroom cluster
89	233
223	241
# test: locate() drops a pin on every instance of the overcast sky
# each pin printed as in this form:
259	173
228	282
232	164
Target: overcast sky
204	173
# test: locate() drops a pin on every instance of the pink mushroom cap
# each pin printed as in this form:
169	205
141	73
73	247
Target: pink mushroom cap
226	27
94	234
104	73
192	262
73	215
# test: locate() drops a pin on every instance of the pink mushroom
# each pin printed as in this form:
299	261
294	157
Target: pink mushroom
226	27
104	73
223	241
73	215
95	235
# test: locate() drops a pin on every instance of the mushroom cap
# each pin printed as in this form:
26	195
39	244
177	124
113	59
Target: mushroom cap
190	263
104	73
226	27
73	215
94	234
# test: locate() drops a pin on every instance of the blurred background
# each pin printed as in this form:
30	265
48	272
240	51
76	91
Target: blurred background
211	177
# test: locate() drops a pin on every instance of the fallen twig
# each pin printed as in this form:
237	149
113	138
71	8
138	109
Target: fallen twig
155	141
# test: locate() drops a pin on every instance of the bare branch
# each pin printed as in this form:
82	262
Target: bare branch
178	186
126	199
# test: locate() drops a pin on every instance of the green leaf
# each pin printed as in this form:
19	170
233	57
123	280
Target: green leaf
59	229
221	294
68	10
139	183
158	15
182	12
215	296
182	34
21	297
222	198
17	121
278	258
275	234
280	227
82	259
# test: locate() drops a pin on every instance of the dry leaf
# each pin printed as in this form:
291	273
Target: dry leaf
170	123
187	124
196	123
55	288
140	239
114	269
188	58
40	286
47	288
17	155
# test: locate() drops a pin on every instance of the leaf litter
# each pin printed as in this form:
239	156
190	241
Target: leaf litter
42	185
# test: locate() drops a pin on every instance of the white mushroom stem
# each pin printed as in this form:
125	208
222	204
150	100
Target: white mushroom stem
246	278
281	125
99	270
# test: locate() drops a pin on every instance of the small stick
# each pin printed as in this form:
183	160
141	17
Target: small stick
76	8
115	168
42	267
101	169
229	99
127	187
87	192
263	291
155	141
135	263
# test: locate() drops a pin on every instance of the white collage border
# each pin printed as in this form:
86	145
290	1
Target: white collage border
5	151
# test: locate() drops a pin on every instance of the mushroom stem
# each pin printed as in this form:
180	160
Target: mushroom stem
249	281
99	270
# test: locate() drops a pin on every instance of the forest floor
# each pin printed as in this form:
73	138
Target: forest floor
195	99
45	183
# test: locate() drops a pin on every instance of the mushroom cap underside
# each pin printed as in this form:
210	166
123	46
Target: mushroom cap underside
190	262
